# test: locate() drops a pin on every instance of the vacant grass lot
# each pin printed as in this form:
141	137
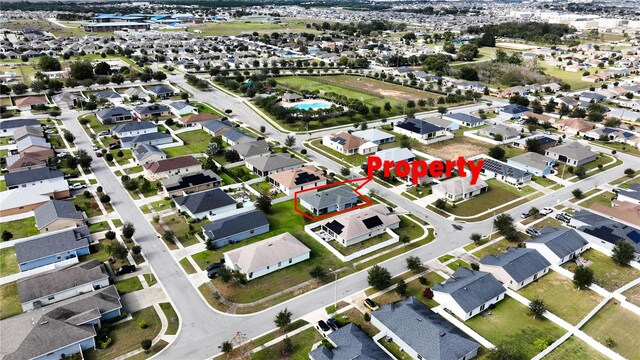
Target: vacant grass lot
8	262
510	323
302	343
9	300
195	142
20	228
608	274
249	26
562	298
571	78
616	323
574	348
180	228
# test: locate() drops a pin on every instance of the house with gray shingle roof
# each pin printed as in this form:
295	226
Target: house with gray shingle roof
467	293
154	138
632	194
512	175
336	198
57	215
50	248
349	343
252	148
182	108
606	232
110	96
517	267
148	153
134	129
234	228
559	245
113	115
146	112
7	127
206	203
464	119
272	163
574	154
162	91
421	333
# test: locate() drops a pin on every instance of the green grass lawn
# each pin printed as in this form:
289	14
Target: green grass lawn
497	247
3	184
616	323
150	279
414	288
180	228
88	205
499	193
633	295
569	77
511	324
161	205
603	199
127	155
8	262
240	174
56	142
99	226
20	228
302	343
419	191
127	336
240	26
455	265
563	170
195	142
9	300
133	170
172	318
355	159
265	188
574	348
608	274
99	253
562	297
129	285
186	265
348	250
543	181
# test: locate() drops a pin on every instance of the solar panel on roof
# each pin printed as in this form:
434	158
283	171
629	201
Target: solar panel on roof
305	177
334	226
372	222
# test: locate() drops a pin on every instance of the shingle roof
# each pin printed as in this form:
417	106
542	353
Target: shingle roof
107	94
396	154
573	151
199	118
501	168
130	140
34	175
561	242
470	289
53	210
107	113
426	332
459	185
532	159
235	224
298	177
151	109
418	126
54	281
143	151
172	163
160	89
40	246
633	191
273	162
363	221
16	123
514	109
133	126
348	141
373	135
205	200
519	263
466	118
337	195
351	344
252	148
267	252
179	105
236	136
608	230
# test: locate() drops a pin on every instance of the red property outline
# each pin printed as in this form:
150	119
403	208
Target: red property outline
367	201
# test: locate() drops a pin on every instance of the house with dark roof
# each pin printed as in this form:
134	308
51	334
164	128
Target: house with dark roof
154	138
146	112
517	267
467	293
113	115
60	284
574	154
233	136
272	163
208	203
349	343
464	119
421	333
56	215
234	228
181	165
53	247
504	172
182	185
559	245
162	91
336	198
216	127
514	110
33	177
606	232
591	97
7	127
252	148
419	129
145	154
632	194
110	96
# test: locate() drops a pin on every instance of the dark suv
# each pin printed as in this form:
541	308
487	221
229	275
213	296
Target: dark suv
125	269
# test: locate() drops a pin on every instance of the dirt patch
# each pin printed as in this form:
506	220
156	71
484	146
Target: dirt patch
454	148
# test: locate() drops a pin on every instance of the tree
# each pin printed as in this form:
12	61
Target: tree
102	68
533	145
440	204
108	157
427	293
442	109
414	263
226	347
19	88
345	171
167	236
146	345
128	229
48	63
468	73
623	253
449	47
476	238
119	154
467	52
225	274
536	107
505	352
84	159
81	70
283	319
6	235
105	199
379	277
110	235
401	288
118	251
318	273
537	307
68	136
290	141
136	249
498	137
577	193
629	172
503	222
497	152
264	203
583	277
580	172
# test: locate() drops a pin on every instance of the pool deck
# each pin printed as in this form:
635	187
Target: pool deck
308	102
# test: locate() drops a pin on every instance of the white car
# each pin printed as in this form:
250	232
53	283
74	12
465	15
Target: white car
546	211
77	186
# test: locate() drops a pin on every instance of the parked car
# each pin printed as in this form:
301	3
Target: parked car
213	273
563	218
323	328
214	266
98	154
533	232
51	131
333	323
62	155
71	176
94	148
546	211
370	304
525	215
114	146
103	133
77	186
125	269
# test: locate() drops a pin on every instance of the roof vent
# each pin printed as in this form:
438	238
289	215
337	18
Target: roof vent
442	334
44	322
419	319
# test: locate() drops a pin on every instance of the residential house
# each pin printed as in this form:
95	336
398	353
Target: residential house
252	148
574	126
34	144
233	136
504	172
592	97
540	118
468	293
110	96
544	142
31	178
57	285
419	129
375	136
533	163
420	333
294	180
514	111
56	215
396	155
572	154
53	247
498	131
28	102
459	188
234	228
145	154
134	129
349	342
147	112
517	267
136	93
7	127
162	91
22	162
558	245
182	165
464	119
209	203
272	163
68	99
357	226
632	194
216	127
266	256
154	138
443	123
611	134
26	131
197	119
348	144
181	185
606	232
182	108
113	115
336	198
568	100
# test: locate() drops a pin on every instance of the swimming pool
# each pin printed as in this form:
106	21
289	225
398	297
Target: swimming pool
312	106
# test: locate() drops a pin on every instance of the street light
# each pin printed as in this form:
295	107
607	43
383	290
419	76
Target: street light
335	291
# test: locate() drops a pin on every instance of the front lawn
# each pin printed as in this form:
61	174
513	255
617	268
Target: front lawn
602	198
498	194
172	318
562	297
414	288
129	285
355	159
302	343
633	295
608	274
8	262
180	228
496	248
509	323
100	253
574	348
9	300
186	265
20	228
195	142
265	188
99	226
348	250
240	174
88	205
615	323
